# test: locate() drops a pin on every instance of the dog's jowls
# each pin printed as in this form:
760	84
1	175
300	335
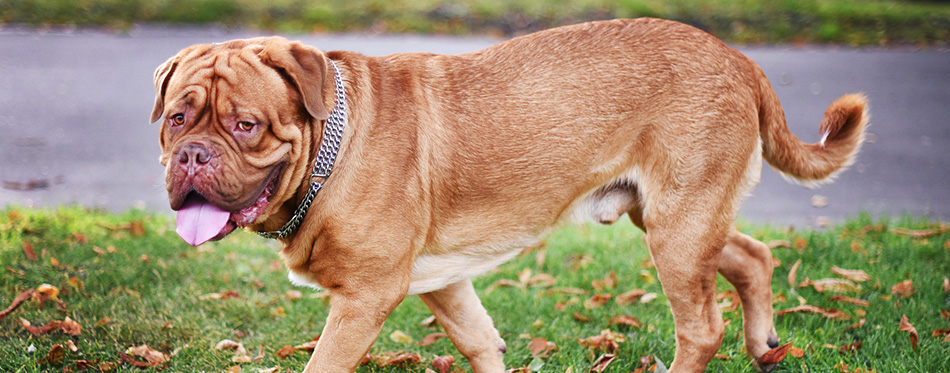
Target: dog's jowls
449	165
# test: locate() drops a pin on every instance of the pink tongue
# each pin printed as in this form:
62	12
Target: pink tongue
199	221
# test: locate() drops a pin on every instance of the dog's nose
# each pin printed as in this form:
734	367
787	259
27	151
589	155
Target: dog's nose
194	155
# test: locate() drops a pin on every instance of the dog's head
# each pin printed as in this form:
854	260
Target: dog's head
237	125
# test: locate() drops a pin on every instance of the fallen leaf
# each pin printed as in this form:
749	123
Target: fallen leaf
792	274
858	324
945	314
225	295
775	355
850	347
67	326
399	337
819	201
579	261
836	285
923	233
597	300
429	322
580	317
55	355
801	243
70	327
855	275
542	280
388	359
431	338
630	297
946	285
844	299
46	292
830	313
540	347
941	332
28	251
17	301
293	295
625	320
286	351
235	369
443	363
308	346
733	301
648	297
608	282
71	346
152	357
796	352
606	340
602	362
903	289
107	366
905	326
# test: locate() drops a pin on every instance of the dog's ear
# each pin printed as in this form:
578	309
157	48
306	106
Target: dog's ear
162	75
305	67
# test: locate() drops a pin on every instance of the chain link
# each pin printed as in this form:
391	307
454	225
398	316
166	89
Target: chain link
326	156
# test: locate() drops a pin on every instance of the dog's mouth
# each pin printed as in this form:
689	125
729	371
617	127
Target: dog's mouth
199	221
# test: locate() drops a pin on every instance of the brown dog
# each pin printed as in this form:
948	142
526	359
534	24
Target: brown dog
449	165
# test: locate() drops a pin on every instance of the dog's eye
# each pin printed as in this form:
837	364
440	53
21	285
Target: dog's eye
245	126
178	119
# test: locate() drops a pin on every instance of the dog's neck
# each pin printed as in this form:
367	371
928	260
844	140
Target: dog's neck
323	164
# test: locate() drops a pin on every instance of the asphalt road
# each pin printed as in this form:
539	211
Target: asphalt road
74	128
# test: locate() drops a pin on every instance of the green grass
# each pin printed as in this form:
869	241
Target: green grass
858	22
148	291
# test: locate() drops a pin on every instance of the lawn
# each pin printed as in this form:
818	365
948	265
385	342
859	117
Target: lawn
99	284
858	22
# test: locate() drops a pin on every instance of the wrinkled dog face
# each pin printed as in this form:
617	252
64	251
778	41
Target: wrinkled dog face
233	131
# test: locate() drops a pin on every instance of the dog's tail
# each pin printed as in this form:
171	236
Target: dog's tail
842	132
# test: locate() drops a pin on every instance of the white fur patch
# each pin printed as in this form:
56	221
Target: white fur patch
301	280
434	272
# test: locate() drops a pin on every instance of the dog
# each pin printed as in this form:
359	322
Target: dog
411	173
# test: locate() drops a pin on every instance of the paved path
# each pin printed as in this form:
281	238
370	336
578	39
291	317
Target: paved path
74	110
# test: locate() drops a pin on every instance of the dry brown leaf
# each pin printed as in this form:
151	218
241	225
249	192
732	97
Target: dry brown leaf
152	357
606	340
602	362
230	294
858	324
796	352
286	351
46	292
580	317
941	332
443	363
830	313
775	355
793	273
388	359
70	327
55	355
733	303
945	314
844	299
905	326
835	285
28	251
850	347
608	282
855	275
597	300
17	301
431	338
71	346
399	336
541	347
648	297
922	233
630	297
903	289
67	326
946	284
625	320
307	346
293	295
542	280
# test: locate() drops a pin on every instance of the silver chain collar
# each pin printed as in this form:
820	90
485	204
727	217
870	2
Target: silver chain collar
332	134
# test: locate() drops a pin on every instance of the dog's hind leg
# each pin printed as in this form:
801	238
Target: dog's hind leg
461	314
747	264
686	246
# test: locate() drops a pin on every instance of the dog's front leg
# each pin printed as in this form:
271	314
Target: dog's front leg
355	320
